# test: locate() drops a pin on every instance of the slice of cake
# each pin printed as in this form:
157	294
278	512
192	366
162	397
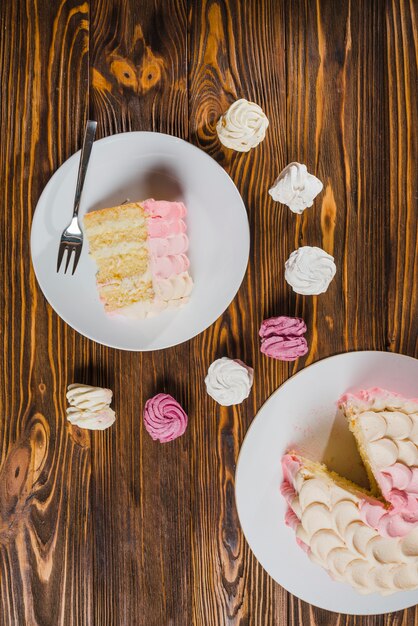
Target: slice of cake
140	252
366	538
324	510
385	426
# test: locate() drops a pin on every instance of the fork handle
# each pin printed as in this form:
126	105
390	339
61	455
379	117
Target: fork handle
89	134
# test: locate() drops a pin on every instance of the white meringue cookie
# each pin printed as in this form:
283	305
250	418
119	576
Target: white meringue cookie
243	126
309	270
229	381
296	187
89	407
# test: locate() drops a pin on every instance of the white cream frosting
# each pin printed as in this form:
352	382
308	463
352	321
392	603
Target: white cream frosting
309	270
229	381
170	293
243	126
296	188
174	288
338	540
389	428
90	407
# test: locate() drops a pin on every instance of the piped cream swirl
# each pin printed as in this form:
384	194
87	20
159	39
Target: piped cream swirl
309	270
229	381
243	126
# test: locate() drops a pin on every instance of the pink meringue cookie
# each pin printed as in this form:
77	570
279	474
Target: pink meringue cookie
164	418
281	338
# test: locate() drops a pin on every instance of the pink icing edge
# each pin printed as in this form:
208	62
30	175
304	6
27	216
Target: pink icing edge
399	485
388	522
290	467
367	395
401	516
169	266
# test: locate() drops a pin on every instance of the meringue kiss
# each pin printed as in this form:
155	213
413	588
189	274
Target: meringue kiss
243	126
309	270
229	381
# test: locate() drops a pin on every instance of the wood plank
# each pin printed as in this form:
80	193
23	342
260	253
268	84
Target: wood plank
401	23
229	586
339	124
335	117
141	488
45	554
114	528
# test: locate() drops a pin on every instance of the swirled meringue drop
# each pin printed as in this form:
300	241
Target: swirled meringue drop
229	381
89	407
164	418
296	188
309	270
243	126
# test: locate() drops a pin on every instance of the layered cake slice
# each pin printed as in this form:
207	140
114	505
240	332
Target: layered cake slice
325	511
140	249
385	426
367	538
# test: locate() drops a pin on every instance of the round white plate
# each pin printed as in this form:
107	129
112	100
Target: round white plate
140	165
302	414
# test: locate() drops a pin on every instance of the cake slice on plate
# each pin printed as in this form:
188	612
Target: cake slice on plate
140	249
367	538
385	426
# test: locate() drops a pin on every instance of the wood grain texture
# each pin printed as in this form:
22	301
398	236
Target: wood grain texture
45	547
140	490
113	528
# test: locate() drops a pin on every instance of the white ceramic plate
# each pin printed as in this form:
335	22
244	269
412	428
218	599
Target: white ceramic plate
302	413
137	166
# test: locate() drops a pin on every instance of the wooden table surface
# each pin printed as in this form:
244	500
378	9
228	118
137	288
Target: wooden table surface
112	528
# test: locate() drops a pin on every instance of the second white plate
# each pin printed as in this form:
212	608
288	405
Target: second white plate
140	165
302	414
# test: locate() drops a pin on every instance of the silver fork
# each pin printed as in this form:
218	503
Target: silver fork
72	236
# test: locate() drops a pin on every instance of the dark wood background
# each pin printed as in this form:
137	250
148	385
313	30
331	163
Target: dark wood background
113	528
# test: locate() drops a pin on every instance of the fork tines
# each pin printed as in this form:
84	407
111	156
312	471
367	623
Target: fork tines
69	248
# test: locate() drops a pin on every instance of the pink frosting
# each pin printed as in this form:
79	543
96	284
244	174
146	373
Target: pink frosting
368	395
159	227
399	485
177	244
290	466
287	491
164	418
281	338
398	482
166	266
291	519
162	208
167	237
